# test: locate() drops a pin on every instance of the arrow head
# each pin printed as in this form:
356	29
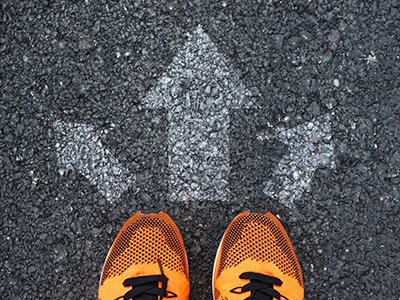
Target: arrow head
313	139
198	79
80	148
310	147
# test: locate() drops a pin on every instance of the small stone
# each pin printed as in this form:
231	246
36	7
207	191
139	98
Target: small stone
96	232
307	36
294	40
311	18
27	152
314	109
109	228
61	252
62	44
195	249
336	82
382	170
12	280
43	236
185	199
326	57
290	108
9	138
334	36
96	27
102	201
31	269
83	44
279	41
316	138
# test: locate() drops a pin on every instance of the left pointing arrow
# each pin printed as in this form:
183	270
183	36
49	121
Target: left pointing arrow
79	147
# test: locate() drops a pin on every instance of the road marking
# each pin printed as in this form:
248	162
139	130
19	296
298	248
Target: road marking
197	90
310	147
79	147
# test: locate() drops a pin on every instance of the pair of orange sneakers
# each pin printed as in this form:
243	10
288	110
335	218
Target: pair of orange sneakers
255	260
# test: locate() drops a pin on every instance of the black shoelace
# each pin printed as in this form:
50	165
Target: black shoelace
261	287
146	287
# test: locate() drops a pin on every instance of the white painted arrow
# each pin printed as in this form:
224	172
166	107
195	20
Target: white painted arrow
198	89
310	147
79	147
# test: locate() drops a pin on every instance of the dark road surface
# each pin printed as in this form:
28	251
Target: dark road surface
178	106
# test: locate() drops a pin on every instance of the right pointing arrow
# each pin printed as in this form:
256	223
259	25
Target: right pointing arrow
310	147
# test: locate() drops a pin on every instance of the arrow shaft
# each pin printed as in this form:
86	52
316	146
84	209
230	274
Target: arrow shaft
198	155
290	180
197	89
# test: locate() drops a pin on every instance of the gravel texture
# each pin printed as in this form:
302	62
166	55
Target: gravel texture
93	62
80	149
197	91
309	147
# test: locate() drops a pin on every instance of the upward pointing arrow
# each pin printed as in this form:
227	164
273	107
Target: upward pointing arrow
198	89
80	148
310	147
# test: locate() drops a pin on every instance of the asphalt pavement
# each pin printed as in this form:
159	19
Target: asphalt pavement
202	109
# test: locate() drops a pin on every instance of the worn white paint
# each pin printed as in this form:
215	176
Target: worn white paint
309	147
79	147
197	90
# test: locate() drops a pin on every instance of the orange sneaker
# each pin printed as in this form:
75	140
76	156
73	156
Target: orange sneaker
147	261
256	260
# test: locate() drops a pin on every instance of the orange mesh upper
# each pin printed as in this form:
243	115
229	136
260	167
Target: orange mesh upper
144	239
240	243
